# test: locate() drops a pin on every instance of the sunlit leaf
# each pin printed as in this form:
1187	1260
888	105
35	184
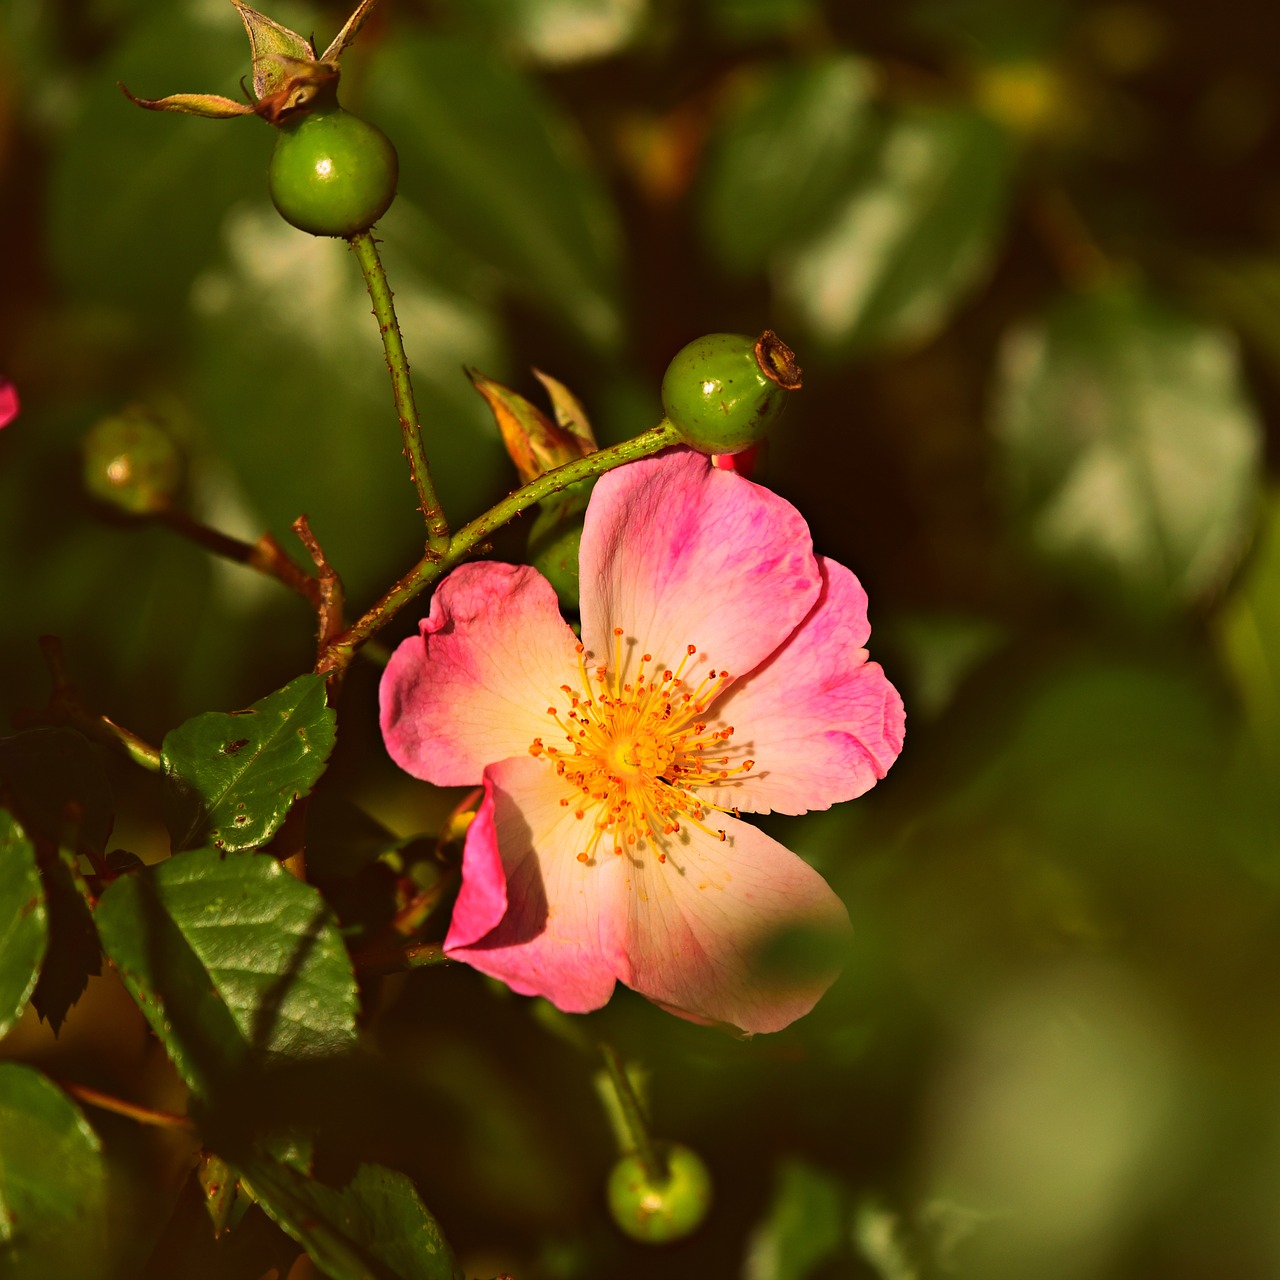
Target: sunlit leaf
293	381
232	960
234	776
915	233
554	32
23	928
878	1232
783	157
52	1182
1130	446
136	198
1249	634
806	1227
503	173
375	1228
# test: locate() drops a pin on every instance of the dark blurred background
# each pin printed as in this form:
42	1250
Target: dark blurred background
1029	256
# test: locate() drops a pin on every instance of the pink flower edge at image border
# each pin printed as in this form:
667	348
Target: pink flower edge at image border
688	571
9	403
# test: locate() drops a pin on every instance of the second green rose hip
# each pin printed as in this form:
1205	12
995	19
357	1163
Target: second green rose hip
723	391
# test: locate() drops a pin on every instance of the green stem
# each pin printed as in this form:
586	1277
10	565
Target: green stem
634	1128
118	1106
433	565
375	278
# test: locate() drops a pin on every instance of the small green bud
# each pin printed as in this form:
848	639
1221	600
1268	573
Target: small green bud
555	540
132	462
722	392
657	1212
331	173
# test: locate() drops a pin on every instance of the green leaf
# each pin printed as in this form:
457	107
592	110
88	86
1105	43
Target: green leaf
1249	636
915	233
503	173
375	1228
1131	449
999	29
23	927
878	1234
783	158
233	961
806	1226
234	776
52	1182
765	20
553	32
135	198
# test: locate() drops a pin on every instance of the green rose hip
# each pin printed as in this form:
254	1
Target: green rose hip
723	391
658	1211
332	174
132	462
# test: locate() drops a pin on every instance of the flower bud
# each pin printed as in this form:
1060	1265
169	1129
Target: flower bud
132	462
722	392
655	1210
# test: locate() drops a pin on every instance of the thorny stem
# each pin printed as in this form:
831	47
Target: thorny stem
329	600
108	1102
432	565
266	555
386	958
632	1116
375	278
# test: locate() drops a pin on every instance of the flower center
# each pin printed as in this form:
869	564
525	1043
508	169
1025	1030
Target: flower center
638	754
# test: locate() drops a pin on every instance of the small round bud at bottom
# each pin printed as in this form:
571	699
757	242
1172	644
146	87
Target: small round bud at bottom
660	1211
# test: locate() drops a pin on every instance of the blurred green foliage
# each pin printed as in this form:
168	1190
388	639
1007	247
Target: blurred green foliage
1029	256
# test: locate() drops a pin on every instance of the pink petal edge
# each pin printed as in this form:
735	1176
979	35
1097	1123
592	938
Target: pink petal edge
557	937
700	929
822	723
678	553
474	686
9	402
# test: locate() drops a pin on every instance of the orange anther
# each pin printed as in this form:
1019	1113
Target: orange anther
617	631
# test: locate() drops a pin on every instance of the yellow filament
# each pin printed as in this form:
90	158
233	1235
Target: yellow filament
636	754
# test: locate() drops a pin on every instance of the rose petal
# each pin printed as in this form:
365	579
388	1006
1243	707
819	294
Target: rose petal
821	723
676	553
475	685
482	900
559	935
8	402
702	925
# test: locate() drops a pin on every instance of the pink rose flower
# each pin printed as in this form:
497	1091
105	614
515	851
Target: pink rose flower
721	669
8	402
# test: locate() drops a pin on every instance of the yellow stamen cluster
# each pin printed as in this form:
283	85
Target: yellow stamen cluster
636	753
